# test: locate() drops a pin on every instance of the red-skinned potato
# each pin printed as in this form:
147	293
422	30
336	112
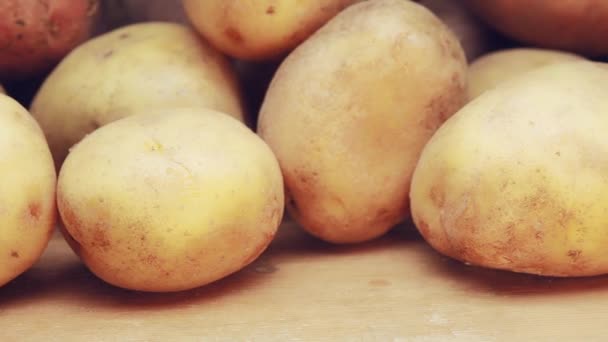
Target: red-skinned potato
574	25
36	34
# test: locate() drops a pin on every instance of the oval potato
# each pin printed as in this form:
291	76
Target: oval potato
140	66
36	34
27	190
518	179
349	110
170	200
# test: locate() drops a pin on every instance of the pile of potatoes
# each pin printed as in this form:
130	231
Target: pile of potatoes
166	139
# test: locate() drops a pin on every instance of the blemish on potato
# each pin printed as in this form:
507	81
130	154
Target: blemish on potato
107	54
574	254
270	10
234	35
124	35
100	238
154	146
437	195
35	210
14	254
20	22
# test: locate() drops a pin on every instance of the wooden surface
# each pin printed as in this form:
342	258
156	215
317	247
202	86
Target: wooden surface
392	289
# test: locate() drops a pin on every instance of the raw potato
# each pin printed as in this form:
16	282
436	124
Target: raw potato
348	118
492	69
141	66
261	29
474	36
27	190
517	179
575	25
36	34
170	201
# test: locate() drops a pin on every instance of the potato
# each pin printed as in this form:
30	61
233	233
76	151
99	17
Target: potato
474	36
516	180
348	112
36	34
494	68
170	200
136	67
264	29
578	26
27	190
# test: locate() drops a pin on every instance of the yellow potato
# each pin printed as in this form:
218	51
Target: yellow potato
170	200
136	67
518	179
349	111
494	68
260	29
27	190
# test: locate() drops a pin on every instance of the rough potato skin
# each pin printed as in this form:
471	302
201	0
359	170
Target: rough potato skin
518	179
171	200
261	29
27	190
36	34
491	69
139	66
350	109
574	25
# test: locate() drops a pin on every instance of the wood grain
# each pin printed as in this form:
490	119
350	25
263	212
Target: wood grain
392	289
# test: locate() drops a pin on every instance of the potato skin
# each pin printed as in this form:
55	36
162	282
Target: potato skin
347	120
140	66
263	29
516	180
36	34
27	190
494	68
171	200
579	26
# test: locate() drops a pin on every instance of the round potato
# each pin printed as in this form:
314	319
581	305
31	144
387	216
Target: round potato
139	66
349	110
517	179
170	200
264	29
494	68
27	190
577	25
36	34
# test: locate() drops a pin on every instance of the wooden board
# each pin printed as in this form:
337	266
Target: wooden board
392	289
